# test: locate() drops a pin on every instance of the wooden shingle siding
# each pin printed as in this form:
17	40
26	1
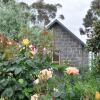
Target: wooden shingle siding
70	47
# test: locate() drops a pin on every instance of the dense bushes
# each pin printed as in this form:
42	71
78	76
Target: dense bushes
20	74
21	69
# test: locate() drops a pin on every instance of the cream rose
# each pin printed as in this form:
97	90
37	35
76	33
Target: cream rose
35	97
45	74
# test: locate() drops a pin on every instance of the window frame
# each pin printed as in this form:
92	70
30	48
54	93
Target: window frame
59	56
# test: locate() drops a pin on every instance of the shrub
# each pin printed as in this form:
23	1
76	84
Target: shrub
19	71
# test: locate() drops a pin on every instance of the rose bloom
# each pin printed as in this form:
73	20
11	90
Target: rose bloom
9	43
2	99
25	42
33	52
45	74
97	96
33	49
35	97
36	81
71	71
44	50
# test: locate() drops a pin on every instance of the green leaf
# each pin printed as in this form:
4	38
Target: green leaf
4	82
11	69
21	96
56	94
19	60
8	92
1	64
6	63
21	81
29	62
18	70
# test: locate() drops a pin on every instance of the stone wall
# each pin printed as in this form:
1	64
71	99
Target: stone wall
70	48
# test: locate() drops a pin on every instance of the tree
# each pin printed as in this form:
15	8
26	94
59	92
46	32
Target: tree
93	14
89	18
42	12
15	16
11	19
92	29
91	23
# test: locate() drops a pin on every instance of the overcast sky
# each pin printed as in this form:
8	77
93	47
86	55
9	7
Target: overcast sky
74	12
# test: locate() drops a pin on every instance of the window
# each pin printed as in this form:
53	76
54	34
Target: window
56	56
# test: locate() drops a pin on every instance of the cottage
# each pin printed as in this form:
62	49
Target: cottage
67	46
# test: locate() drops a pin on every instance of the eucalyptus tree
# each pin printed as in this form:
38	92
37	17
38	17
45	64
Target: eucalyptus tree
41	12
92	29
91	23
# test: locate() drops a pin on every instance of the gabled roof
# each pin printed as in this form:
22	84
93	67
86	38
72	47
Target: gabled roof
57	21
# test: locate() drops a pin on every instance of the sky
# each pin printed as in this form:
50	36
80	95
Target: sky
73	10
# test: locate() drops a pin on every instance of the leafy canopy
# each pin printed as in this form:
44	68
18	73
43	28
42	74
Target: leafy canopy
42	12
16	17
91	23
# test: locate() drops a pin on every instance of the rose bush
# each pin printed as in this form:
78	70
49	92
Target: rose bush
26	72
19	66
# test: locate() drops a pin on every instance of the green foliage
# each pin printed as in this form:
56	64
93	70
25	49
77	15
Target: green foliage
89	18
96	66
92	14
41	12
61	88
17	17
11	19
18	73
96	71
46	12
16	78
19	68
92	27
58	67
96	7
93	43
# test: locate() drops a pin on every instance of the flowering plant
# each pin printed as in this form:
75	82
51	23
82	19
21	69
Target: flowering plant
25	42
97	95
71	71
18	73
35	97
